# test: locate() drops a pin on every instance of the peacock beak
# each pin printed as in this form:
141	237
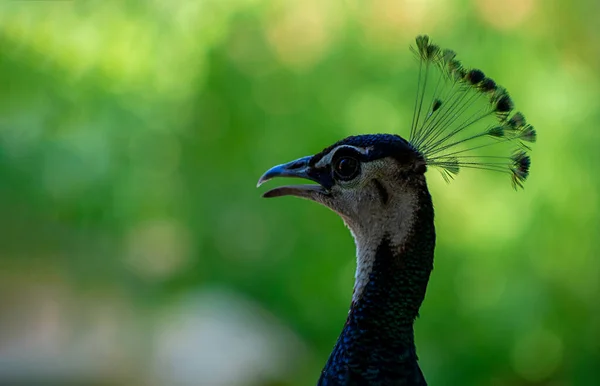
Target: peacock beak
299	168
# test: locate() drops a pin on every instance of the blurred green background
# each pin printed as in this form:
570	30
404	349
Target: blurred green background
136	250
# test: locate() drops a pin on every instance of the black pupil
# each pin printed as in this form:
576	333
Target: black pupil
347	167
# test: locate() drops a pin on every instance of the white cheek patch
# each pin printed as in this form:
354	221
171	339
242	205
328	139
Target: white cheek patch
368	235
365	259
323	162
359	205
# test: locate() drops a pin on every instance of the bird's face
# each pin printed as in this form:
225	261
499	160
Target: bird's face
357	177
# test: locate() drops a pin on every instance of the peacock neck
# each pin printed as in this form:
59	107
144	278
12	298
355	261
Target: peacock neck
377	345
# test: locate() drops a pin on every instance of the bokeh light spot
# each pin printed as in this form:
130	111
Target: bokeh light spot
507	14
158	249
302	33
537	355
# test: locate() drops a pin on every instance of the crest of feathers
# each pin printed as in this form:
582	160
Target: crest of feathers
459	111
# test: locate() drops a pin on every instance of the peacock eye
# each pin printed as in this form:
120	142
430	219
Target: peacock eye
346	168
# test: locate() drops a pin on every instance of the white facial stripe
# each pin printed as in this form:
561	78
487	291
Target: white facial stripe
327	159
372	233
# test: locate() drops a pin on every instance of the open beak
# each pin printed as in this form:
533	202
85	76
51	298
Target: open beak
297	169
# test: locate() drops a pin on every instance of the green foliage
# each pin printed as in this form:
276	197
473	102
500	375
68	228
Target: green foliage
132	137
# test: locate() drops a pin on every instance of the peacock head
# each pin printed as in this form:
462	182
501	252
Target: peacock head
357	177
461	119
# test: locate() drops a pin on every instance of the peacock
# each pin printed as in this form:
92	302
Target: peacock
376	183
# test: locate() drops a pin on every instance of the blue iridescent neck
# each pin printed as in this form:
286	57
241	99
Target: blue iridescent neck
377	346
